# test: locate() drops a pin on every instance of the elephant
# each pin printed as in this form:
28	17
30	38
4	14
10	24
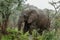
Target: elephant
23	19
39	21
33	19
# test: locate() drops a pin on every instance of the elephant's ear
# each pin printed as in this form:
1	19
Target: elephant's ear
32	17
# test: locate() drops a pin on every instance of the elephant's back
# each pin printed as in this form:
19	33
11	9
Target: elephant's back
43	18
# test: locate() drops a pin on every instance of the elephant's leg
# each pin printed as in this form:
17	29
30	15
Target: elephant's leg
26	27
40	31
20	27
20	22
32	27
30	30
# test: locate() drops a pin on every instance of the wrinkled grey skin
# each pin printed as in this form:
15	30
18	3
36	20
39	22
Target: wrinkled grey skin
33	19
23	17
39	21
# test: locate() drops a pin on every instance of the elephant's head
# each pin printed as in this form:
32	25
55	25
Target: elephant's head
33	17
26	13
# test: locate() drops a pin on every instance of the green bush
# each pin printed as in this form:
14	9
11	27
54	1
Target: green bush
18	35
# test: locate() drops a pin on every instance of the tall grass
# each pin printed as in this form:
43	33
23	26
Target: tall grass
18	35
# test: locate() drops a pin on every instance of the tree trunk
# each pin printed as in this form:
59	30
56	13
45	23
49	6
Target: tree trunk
4	24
